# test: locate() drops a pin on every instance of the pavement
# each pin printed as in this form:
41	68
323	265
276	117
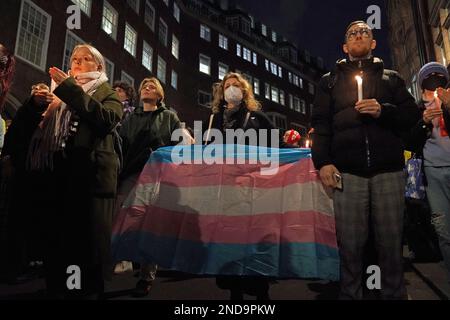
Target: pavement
424	281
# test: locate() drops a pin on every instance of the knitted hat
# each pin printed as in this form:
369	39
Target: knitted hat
431	75
293	136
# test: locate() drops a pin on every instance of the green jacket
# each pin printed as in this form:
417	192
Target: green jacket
143	133
92	146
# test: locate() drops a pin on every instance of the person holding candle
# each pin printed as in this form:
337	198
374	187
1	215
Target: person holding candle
431	141
72	151
361	113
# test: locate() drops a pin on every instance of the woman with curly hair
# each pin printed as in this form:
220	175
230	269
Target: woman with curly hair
234	107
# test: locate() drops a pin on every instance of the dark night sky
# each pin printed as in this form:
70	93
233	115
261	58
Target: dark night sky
319	25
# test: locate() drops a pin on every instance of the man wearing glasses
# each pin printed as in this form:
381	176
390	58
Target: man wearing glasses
361	112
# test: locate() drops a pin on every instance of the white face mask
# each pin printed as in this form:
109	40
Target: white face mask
233	95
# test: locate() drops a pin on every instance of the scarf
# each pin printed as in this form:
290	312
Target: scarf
58	124
228	122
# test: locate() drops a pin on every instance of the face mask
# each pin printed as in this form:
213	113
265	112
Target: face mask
233	95
434	81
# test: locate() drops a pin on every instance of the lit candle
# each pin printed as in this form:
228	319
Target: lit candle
360	88
307	144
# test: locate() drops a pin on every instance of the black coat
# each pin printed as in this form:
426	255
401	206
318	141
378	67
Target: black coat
257	120
143	133
356	143
76	198
421	132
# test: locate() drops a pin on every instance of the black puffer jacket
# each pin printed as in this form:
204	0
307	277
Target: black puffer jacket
356	143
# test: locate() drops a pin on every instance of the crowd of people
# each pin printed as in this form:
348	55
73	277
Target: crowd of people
77	147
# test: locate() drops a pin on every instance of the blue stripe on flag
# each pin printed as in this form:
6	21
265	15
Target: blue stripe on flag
290	260
199	153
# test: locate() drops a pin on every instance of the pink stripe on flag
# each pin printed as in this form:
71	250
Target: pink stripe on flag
291	227
228	175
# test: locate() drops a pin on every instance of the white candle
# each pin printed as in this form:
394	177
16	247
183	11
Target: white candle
360	88
307	144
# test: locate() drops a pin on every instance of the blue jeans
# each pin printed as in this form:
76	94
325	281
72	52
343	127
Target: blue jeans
438	192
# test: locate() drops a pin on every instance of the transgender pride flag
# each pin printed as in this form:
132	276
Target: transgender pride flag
229	219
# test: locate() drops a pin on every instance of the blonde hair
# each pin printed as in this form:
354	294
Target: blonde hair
247	90
98	57
155	81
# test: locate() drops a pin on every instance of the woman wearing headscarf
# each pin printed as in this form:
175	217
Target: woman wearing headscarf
430	139
73	150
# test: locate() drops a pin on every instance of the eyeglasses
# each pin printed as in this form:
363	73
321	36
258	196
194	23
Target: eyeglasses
364	32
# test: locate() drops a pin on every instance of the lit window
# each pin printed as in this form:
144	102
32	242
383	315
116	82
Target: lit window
149	15
296	81
174	80
247	54
147	56
280	72
33	35
205	33
274	36
161	72
130	40
282	99
175	46
264	30
297	106
255	59
109	70
256	86
85	5
238	50
274	68
205	64
223	70
267	64
303	106
176	12
267	91
163	32
275	94
71	42
223	42
109	20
